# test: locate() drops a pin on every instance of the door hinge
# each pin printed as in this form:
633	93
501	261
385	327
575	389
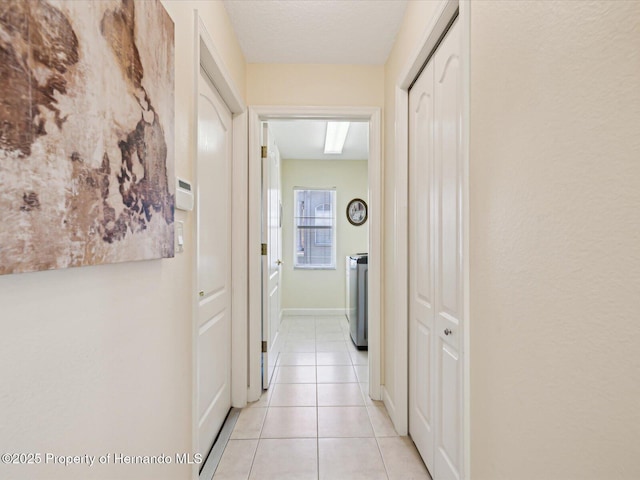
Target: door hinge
264	249
263	151
264	346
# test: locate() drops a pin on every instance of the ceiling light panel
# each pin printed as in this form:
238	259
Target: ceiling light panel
335	138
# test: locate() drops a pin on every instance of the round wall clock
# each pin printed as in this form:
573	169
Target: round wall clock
357	212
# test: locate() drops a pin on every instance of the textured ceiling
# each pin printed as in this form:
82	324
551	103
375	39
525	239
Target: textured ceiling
316	31
304	140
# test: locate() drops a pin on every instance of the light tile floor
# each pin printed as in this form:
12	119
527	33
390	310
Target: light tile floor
317	421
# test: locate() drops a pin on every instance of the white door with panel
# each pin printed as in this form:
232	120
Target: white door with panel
272	260
421	270
435	258
213	263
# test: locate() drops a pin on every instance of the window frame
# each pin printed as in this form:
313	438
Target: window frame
334	226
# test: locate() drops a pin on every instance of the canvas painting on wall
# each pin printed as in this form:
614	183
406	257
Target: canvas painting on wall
86	133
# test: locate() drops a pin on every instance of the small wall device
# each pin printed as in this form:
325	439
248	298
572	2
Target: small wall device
184	195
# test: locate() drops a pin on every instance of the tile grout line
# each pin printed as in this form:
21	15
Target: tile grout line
255	453
384	463
353	366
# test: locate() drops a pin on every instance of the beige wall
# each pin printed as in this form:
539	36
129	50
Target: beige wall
416	19
555	240
98	359
313	289
317	85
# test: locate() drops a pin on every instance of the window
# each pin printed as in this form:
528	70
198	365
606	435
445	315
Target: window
323	219
314	228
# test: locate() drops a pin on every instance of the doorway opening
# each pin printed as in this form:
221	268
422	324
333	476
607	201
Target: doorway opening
314	224
298	198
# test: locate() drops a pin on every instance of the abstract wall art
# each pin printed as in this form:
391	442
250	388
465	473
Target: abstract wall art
86	133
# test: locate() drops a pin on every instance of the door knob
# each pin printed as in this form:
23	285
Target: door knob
279	262
447	331
201	293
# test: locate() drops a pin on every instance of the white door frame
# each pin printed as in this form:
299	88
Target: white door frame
207	55
372	115
446	12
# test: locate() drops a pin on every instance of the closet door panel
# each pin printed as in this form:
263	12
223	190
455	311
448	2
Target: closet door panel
435	261
448	263
421	272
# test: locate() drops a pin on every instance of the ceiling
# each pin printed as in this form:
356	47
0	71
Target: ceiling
316	31
304	140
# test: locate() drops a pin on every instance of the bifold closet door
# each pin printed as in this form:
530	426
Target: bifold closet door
421	271
436	282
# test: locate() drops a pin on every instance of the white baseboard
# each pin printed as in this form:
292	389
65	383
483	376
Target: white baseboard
318	312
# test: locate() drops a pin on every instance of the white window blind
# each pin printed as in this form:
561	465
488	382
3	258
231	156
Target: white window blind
314	228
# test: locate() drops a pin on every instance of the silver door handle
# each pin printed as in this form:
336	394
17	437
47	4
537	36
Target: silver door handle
201	293
279	262
447	331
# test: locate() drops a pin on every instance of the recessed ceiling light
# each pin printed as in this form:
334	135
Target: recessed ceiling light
336	135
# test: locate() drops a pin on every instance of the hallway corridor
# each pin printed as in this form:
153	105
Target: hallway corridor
317	421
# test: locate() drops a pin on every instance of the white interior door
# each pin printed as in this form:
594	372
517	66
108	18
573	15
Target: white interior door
272	261
435	283
448	265
421	266
213	263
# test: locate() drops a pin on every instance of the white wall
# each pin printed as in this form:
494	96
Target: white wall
97	360
318	289
555	240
